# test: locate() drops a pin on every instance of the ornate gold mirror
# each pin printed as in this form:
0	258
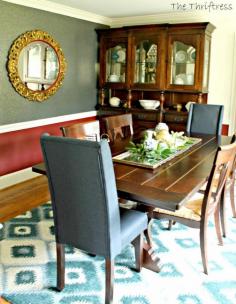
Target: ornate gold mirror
36	65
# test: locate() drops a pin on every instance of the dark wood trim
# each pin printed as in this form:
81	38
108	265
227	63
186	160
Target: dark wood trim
2	301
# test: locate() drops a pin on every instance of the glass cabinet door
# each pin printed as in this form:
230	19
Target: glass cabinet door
183	64
115	63
145	69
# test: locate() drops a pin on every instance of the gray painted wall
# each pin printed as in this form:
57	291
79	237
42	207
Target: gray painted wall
78	41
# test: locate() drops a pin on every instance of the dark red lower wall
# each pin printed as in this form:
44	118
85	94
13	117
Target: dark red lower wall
225	129
21	149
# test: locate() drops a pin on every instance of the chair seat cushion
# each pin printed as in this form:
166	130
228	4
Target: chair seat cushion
192	210
132	224
127	204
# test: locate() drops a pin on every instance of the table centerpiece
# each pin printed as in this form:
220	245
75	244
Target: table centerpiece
157	147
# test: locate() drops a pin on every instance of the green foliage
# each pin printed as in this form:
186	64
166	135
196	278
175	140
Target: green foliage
142	153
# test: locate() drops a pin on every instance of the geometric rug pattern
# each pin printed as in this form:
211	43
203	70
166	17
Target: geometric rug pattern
28	268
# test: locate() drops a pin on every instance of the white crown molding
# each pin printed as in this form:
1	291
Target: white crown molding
172	17
63	10
153	19
45	121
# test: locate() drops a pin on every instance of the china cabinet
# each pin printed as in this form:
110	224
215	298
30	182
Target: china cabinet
165	62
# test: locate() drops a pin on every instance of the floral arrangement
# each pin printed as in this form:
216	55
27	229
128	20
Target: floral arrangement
157	146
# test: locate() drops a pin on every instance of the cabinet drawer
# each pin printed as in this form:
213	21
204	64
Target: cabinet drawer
111	111
176	118
145	116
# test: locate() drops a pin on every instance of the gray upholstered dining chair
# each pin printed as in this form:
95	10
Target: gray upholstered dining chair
85	204
205	119
196	212
83	130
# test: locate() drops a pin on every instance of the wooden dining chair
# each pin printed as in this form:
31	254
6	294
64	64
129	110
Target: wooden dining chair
196	212
119	126
88	130
229	186
85	204
205	119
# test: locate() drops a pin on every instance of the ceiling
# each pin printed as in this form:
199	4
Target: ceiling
119	8
131	8
116	13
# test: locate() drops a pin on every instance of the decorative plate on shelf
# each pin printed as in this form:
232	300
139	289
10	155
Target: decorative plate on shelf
121	55
180	79
181	57
192	56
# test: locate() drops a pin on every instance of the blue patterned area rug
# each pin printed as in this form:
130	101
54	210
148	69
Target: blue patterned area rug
28	269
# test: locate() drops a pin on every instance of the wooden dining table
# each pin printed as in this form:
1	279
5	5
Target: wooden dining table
168	186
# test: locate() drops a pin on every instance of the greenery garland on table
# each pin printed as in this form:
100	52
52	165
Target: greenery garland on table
152	151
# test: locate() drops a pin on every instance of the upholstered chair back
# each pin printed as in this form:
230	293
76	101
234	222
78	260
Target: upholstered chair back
205	119
83	193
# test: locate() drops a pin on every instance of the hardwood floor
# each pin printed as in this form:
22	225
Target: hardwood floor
24	196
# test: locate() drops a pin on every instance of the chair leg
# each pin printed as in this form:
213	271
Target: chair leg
217	225
232	200
222	212
138	247
170	224
109	281
203	246
60	266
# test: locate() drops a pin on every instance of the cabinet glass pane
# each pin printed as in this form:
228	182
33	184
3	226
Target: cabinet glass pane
145	62
116	63
206	63
183	61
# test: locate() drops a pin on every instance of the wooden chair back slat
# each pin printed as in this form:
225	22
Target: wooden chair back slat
220	172
119	126
89	131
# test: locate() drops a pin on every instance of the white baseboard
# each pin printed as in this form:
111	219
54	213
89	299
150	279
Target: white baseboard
16	177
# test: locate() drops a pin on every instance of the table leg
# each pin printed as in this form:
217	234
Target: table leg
2	301
150	260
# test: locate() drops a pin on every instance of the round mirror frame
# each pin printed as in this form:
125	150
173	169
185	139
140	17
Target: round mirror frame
17	47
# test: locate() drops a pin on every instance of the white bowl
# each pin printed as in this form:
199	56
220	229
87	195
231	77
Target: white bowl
149	104
114	101
114	78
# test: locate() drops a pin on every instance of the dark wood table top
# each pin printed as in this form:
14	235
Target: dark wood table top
170	185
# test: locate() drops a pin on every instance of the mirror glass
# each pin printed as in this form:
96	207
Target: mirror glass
36	65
